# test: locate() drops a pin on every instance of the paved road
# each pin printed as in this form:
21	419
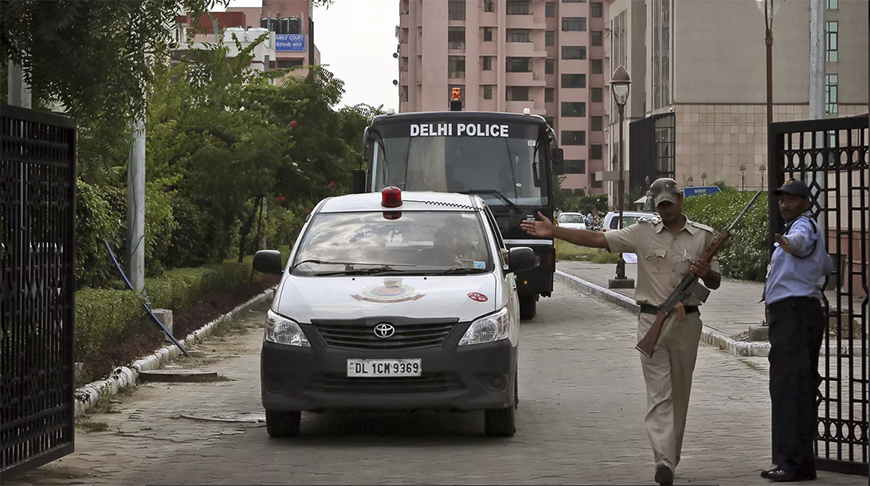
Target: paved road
579	422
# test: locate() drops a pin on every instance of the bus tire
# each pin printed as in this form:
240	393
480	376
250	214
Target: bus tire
528	306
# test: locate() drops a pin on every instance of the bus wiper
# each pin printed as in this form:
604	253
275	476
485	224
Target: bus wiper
496	194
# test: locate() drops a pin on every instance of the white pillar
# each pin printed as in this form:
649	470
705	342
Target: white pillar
136	207
18	91
817	85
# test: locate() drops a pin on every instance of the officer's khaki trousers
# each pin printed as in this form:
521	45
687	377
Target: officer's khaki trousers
668	376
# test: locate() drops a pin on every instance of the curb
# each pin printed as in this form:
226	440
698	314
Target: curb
87	396
710	336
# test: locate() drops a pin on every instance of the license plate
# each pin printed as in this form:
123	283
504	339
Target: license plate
384	367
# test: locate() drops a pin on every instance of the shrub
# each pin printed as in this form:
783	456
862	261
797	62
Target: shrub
160	224
744	255
98	218
103	316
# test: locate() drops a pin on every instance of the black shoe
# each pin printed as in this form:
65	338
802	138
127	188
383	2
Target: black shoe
766	472
783	475
664	475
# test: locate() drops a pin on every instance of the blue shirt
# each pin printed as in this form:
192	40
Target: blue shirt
801	273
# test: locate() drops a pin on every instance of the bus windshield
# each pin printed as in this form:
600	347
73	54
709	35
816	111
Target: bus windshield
507	159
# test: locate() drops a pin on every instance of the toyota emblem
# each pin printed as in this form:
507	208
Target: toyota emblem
384	330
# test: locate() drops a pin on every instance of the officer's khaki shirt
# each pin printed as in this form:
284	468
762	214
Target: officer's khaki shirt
663	259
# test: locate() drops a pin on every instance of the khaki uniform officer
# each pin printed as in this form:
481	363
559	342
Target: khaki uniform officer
668	247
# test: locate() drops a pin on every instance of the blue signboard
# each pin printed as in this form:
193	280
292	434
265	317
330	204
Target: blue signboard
700	191
290	42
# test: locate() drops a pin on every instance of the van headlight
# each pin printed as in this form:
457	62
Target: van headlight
491	328
281	330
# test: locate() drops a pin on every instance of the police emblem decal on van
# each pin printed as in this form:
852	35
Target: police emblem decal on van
477	297
392	290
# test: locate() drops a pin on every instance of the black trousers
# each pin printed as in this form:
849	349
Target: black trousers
797	326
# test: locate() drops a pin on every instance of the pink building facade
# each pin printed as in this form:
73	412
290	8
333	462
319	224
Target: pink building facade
507	55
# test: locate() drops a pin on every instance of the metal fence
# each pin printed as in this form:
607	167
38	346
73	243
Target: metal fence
37	235
831	156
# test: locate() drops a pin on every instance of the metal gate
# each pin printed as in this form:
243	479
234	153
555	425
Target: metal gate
37	228
831	156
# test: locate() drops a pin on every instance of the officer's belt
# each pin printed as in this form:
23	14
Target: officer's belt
651	309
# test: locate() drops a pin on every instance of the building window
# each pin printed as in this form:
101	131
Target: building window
456	37
519	65
597	123
597	66
573	137
831	96
573	52
487	34
487	92
550	120
455	67
574	24
487	63
518	35
517	93
573	1
575	166
489	5
517	7
289	63
456	10
595	152
833	4
596	9
597	95
550	38
549	95
550	66
550	9
404	93
596	184
573	80
831	33
597	38
573	109
450	92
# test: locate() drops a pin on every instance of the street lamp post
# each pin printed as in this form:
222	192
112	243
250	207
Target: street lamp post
769	9
742	177
703	178
620	86
690	181
761	168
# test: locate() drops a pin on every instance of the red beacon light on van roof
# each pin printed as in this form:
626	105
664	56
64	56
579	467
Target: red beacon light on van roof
391	197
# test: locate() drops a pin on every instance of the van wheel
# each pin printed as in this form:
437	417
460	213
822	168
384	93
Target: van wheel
528	306
282	423
500	422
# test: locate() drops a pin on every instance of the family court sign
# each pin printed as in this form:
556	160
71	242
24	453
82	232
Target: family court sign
290	42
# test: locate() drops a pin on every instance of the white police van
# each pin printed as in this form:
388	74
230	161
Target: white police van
394	301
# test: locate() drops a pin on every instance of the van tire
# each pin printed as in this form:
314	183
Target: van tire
500	422
528	307
280	423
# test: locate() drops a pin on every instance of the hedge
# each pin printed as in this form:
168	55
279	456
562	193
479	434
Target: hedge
744	255
103	315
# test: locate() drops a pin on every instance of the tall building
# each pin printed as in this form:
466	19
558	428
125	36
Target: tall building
698	101
507	55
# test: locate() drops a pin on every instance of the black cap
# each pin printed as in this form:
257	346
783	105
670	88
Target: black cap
794	186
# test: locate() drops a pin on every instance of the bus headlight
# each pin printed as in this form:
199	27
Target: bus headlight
280	330
491	328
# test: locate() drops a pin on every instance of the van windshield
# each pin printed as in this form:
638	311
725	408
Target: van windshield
418	242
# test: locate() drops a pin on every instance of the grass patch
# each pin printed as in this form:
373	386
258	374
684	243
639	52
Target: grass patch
104	403
569	252
228	327
84	423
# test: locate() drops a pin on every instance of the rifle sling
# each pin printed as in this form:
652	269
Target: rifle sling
651	309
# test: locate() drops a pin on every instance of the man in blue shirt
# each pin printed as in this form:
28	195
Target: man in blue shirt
796	319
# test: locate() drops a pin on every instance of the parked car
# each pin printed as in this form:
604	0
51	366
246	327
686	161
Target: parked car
611	219
394	301
572	220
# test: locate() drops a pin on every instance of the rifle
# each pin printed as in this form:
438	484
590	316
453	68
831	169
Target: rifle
689	286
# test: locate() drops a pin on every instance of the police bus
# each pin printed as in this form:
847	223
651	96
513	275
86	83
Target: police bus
508	159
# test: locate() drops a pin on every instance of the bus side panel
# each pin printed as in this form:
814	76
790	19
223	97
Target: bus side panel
538	280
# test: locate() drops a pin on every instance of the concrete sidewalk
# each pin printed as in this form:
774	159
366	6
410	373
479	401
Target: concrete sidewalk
727	314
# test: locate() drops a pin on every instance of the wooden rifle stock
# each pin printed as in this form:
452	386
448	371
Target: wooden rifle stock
688	286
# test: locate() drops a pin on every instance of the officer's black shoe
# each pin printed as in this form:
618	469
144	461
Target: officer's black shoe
766	472
782	475
664	475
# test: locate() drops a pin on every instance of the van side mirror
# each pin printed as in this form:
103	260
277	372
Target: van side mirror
521	258
268	261
359	181
559	162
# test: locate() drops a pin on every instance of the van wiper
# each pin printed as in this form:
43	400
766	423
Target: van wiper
322	262
460	270
496	194
379	270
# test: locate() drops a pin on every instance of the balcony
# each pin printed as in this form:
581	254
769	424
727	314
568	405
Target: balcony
524	49
526	79
525	22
